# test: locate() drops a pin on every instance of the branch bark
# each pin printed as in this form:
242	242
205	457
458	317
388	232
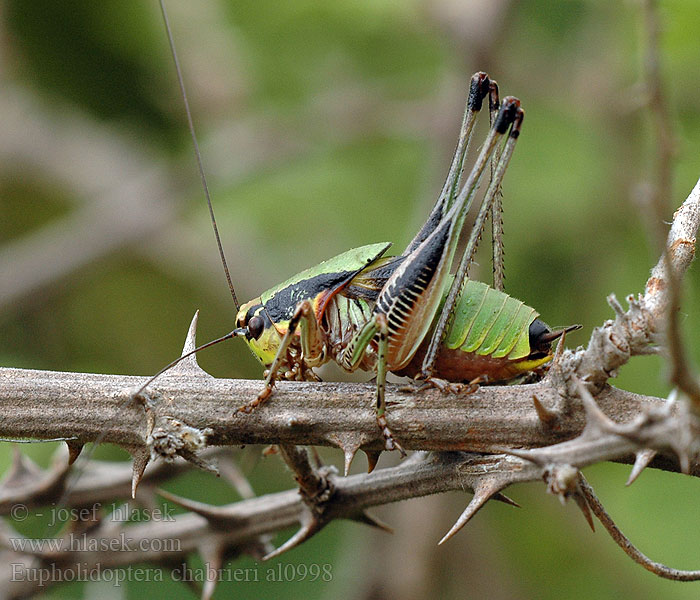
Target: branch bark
47	404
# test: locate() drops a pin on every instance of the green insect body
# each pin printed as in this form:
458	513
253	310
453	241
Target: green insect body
487	323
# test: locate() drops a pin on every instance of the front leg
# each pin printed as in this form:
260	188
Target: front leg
313	351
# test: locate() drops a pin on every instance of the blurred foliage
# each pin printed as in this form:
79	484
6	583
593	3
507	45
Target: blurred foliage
328	125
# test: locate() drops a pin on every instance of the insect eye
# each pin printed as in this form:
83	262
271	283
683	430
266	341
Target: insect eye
255	327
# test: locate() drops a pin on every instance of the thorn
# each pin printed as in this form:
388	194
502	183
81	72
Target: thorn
348	455
260	547
616	306
141	459
309	526
482	493
349	452
216	515
349	443
191	339
683	459
582	503
641	462
74	450
372	459
213	557
505	499
369	519
561	344
209	586
547	416
199	507
23	470
199	462
189	366
559	350
21	463
596	420
672	398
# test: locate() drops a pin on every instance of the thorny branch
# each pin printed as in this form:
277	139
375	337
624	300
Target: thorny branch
680	371
548	430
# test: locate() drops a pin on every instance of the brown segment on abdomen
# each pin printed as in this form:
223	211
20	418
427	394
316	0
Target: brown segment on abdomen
459	366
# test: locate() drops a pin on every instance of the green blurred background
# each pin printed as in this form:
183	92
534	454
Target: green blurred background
324	126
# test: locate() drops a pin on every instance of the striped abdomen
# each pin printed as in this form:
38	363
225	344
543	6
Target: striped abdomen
489	336
490	323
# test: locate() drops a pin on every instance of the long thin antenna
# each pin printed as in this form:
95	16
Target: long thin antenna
228	336
190	124
236	332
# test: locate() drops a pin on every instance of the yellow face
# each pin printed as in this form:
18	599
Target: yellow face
262	336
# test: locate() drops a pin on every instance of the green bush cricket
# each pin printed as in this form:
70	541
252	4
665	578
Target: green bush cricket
407	314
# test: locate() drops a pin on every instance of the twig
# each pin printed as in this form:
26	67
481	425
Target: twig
681	373
236	525
635	331
621	540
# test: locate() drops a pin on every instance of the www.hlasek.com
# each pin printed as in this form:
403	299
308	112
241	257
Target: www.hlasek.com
281	572
84	543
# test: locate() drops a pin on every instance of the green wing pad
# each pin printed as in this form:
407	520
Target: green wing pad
346	265
490	323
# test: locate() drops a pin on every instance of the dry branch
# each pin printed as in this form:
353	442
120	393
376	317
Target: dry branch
47	404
